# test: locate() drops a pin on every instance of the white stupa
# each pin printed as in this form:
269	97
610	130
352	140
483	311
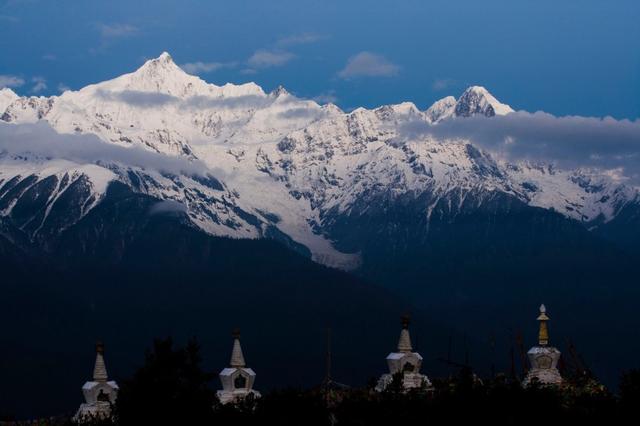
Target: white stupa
99	394
404	361
237	380
543	358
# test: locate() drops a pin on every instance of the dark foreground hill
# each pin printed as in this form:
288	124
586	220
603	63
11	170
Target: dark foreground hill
125	276
127	273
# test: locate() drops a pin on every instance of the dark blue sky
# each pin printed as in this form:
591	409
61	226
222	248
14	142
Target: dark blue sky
564	56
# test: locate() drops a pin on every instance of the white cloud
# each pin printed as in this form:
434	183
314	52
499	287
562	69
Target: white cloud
10	81
442	84
40	84
298	39
167	207
269	58
367	64
113	31
40	139
205	67
326	98
569	142
157	100
278	55
63	88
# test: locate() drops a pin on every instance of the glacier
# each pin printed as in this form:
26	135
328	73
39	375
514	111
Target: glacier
266	163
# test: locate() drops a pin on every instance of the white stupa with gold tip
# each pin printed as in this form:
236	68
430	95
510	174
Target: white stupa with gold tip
406	362
100	394
237	379
543	358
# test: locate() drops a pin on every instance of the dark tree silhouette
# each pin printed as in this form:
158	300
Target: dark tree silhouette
170	388
630	393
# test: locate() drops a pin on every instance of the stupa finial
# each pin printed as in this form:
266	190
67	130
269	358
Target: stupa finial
404	344
543	333
100	369
237	357
405	321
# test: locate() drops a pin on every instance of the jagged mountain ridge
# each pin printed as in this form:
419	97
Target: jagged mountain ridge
280	165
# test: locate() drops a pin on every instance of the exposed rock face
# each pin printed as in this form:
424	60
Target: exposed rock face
277	165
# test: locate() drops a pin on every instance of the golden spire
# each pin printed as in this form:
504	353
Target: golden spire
543	334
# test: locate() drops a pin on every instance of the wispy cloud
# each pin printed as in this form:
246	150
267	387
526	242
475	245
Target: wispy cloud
264	58
569	142
63	88
10	81
41	140
114	31
442	84
138	98
40	84
301	113
279	54
111	33
156	100
299	39
167	207
205	67
367	64
49	57
326	98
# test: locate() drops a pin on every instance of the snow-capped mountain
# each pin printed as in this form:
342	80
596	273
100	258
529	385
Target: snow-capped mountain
476	100
273	165
7	97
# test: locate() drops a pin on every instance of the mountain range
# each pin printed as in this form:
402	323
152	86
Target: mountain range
250	164
182	189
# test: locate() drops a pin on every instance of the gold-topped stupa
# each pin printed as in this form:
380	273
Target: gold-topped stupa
543	358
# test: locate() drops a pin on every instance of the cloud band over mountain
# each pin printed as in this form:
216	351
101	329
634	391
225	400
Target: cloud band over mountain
41	140
569	142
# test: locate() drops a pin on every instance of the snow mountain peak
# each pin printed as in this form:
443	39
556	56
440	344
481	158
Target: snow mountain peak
288	168
161	75
477	100
162	64
7	97
279	91
164	56
441	109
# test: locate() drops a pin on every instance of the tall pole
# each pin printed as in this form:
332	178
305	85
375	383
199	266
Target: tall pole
327	379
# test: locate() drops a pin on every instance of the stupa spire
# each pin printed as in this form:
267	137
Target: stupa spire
100	369
405	363
99	394
237	379
543	333
237	357
543	357
404	343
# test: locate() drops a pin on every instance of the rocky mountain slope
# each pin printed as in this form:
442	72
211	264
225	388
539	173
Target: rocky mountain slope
253	164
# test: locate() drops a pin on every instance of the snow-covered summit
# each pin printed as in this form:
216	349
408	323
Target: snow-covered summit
441	109
279	91
289	166
477	100
162	75
7	96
